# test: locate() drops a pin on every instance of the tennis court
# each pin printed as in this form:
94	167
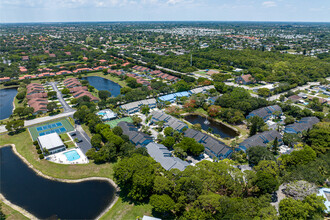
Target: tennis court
114	123
50	126
59	126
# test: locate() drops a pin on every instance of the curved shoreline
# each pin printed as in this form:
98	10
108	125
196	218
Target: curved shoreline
38	172
13	104
215	120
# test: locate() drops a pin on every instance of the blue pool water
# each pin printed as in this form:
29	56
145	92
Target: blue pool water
72	155
101	113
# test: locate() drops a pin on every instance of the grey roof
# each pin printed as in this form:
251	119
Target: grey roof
304	124
201	89
261	139
169	120
50	141
163	156
137	104
212	145
265	112
135	136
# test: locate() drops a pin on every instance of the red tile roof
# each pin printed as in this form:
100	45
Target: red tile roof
4	79
82	93
77	89
37	95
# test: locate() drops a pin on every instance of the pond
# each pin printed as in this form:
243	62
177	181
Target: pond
6	102
218	128
46	198
101	83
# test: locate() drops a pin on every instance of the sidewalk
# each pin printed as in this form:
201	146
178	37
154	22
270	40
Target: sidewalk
40	120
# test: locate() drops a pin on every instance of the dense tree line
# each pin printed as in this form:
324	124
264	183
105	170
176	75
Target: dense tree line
268	66
206	191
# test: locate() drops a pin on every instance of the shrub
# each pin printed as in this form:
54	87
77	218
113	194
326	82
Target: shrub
37	147
41	156
35	143
39	151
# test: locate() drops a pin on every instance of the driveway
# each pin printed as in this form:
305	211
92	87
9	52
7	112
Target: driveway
154	133
65	105
85	144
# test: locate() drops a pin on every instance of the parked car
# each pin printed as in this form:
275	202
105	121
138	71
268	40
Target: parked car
78	140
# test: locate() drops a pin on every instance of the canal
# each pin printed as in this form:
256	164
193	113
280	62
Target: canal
46	198
6	102
217	128
101	83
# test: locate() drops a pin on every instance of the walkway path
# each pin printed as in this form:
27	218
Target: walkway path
48	118
65	105
280	196
41	120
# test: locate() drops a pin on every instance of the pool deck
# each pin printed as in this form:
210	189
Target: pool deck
62	159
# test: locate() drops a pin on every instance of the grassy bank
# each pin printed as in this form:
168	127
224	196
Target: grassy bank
2	86
125	210
26	148
122	83
12	214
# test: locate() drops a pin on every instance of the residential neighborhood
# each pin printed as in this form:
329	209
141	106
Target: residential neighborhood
164	120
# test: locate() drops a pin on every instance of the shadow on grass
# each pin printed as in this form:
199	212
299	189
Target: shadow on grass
166	215
12	133
123	194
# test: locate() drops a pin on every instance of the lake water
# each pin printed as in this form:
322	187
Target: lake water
46	198
6	102
101	83
218	128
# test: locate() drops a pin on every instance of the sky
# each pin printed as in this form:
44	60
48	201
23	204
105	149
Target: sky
17	11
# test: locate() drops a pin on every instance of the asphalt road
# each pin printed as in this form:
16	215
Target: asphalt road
65	105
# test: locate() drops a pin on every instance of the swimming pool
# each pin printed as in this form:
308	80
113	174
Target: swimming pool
72	155
102	113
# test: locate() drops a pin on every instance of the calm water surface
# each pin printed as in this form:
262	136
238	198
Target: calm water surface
101	83
6	102
218	128
45	198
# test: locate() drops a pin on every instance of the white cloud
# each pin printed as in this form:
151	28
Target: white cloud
173	2
269	4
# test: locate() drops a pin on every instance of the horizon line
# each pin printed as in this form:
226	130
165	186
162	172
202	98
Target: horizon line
141	21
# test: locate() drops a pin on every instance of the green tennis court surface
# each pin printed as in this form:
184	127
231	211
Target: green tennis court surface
114	123
58	126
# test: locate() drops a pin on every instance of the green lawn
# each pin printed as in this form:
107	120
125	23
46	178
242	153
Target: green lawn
12	214
70	144
86	129
114	123
201	111
122	83
323	96
125	210
2	86
19	103
65	137
26	148
121	210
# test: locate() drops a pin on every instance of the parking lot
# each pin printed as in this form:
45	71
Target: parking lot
84	144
